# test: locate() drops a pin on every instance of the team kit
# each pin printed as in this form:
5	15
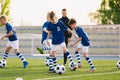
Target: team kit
56	35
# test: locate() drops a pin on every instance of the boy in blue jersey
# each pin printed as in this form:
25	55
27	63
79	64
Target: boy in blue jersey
57	29
45	32
12	41
84	44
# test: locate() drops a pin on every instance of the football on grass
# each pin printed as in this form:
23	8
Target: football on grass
3	63
60	69
118	64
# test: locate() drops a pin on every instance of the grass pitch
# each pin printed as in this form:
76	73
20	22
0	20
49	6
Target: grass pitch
106	70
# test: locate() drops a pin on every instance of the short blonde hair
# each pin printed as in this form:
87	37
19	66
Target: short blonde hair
3	18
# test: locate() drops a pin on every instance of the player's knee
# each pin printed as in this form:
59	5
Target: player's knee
15	51
85	55
77	49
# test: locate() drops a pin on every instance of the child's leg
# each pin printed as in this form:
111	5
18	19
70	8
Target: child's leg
78	57
85	54
54	58
6	52
15	46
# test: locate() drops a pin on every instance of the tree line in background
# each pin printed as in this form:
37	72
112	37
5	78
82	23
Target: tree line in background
5	8
109	13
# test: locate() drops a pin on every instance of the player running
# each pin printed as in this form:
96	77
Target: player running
45	32
13	41
57	29
84	44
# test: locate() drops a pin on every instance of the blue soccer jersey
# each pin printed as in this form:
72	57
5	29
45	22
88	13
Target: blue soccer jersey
8	29
57	32
82	34
44	34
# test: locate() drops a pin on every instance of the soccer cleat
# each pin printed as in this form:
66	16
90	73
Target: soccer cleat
40	50
52	71
91	70
79	66
25	64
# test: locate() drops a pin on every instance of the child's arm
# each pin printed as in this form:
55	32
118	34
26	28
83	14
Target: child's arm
48	36
45	29
7	35
78	40
72	33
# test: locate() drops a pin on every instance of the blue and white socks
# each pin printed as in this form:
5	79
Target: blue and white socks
69	57
21	57
5	55
78	57
50	63
46	48
90	62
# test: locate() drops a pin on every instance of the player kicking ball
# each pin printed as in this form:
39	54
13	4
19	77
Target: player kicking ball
57	29
84	44
12	41
45	32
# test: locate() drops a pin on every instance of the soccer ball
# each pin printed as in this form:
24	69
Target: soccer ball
46	62
60	69
73	66
3	63
118	64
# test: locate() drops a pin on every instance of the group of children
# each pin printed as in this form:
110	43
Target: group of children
53	31
52	40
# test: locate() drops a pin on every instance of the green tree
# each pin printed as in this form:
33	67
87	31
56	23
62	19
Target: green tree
5	8
109	13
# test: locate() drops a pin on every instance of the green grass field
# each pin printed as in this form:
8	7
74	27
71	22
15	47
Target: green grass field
106	70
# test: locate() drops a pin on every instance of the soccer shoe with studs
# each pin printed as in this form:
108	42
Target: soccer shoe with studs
25	64
40	50
91	70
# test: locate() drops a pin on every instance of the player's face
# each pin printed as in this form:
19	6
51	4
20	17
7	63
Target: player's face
73	26
54	20
64	13
3	22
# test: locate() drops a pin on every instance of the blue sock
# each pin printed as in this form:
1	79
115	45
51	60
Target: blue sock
78	57
5	56
50	62
69	57
54	62
90	62
21	57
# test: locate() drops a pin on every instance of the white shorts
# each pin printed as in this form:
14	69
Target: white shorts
57	47
84	48
45	43
13	44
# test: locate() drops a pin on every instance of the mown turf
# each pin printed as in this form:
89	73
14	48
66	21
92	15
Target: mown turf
37	70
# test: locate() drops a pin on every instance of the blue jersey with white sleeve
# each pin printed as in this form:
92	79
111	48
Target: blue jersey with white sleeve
8	29
44	34
82	34
57	30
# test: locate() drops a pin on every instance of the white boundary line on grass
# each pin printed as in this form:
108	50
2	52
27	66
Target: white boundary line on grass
63	77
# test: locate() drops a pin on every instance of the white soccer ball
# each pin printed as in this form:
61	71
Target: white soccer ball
46	62
3	63
73	66
118	64
60	69
18	79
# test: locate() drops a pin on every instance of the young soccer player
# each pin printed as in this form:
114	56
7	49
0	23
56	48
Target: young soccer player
45	32
84	44
67	35
12	41
57	29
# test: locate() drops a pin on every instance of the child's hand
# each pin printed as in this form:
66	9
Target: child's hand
48	43
3	37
